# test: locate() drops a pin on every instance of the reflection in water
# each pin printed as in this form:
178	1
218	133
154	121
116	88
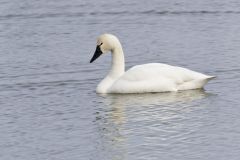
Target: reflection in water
149	99
145	120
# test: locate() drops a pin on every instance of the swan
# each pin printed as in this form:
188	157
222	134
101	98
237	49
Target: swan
151	77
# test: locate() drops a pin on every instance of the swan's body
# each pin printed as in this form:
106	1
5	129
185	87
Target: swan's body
152	77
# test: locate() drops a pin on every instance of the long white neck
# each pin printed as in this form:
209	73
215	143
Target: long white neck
118	63
117	70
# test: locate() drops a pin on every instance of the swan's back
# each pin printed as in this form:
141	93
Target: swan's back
158	77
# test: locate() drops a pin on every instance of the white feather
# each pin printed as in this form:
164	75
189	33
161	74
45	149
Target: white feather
157	77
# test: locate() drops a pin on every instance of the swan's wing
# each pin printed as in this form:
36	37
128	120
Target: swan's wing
154	77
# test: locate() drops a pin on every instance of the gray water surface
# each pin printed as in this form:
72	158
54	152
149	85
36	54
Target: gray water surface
49	108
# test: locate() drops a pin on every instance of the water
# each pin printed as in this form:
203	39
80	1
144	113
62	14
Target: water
49	108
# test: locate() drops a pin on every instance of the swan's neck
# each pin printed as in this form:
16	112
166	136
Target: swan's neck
118	63
117	70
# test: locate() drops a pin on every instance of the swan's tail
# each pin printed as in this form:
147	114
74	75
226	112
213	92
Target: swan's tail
205	81
210	78
195	84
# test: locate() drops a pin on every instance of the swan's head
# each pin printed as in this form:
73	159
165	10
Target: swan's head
105	43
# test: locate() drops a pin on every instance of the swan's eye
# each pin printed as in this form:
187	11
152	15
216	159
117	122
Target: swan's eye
99	44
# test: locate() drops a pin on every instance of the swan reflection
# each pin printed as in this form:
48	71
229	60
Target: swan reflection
158	117
150	99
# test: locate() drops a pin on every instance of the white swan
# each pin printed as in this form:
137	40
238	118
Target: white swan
152	77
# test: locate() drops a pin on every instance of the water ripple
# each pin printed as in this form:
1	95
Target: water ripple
112	13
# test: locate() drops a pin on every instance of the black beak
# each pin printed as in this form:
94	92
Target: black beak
97	53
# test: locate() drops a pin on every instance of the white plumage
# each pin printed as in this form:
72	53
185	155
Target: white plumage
152	77
157	77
